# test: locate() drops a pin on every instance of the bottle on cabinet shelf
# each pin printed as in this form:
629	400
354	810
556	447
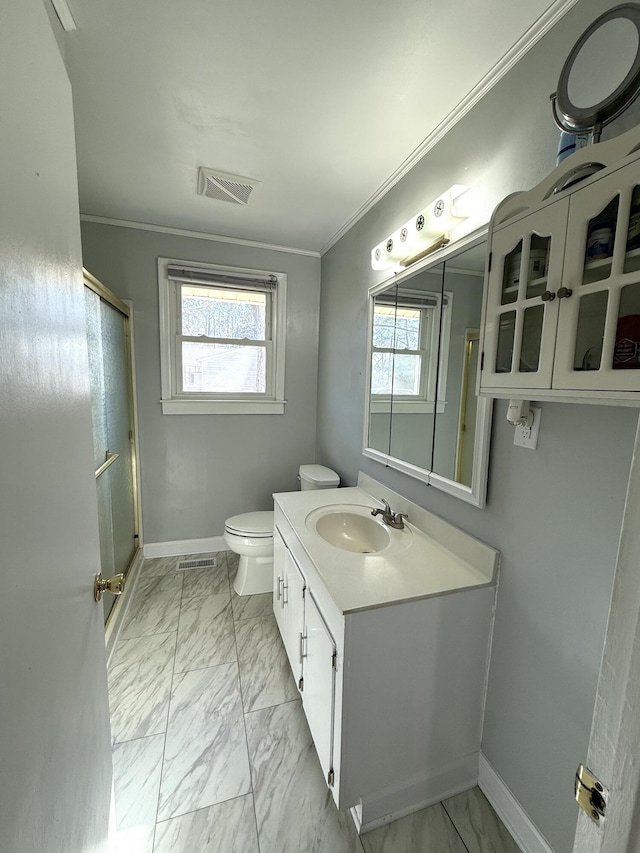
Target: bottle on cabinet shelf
633	232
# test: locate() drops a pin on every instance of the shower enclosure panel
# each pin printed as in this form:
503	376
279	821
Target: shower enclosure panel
113	430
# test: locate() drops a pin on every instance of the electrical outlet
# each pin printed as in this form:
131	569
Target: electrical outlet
528	436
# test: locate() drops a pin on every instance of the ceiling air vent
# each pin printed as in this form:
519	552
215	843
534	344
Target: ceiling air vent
224	187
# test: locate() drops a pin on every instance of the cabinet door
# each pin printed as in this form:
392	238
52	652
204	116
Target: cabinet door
293	607
522	309
279	568
318	695
288	603
598	346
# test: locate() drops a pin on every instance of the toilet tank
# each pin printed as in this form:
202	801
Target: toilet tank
317	477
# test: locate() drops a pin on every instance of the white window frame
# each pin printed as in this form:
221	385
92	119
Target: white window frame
426	401
177	402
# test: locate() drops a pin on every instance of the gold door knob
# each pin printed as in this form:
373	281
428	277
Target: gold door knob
114	585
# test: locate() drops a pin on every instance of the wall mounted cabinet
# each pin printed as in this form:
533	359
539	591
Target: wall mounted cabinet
561	313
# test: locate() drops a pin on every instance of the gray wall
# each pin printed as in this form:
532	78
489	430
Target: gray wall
555	514
199	469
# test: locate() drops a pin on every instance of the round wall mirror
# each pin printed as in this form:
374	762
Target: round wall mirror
601	76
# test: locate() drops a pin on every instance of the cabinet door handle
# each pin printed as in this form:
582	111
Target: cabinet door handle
564	292
278	593
285	600
548	296
303	653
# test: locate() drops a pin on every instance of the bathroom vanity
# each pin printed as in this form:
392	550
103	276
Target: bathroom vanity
387	633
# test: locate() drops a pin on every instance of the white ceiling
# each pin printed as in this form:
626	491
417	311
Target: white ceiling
322	101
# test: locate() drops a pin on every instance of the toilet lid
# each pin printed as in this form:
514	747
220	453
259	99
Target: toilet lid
255	524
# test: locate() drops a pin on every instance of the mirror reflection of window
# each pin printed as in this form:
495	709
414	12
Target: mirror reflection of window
404	345
423	412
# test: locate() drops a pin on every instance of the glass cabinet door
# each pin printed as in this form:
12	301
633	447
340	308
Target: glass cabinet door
522	309
598	342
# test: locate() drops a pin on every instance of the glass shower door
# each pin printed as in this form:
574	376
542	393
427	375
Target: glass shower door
112	417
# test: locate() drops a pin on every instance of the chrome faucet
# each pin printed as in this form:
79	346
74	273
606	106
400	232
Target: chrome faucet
390	518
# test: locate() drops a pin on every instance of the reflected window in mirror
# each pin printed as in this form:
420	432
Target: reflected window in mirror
404	352
423	416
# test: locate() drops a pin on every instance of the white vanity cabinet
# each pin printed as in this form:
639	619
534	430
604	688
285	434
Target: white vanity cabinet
309	644
393	694
561	317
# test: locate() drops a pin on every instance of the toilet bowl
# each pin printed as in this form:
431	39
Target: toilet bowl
250	535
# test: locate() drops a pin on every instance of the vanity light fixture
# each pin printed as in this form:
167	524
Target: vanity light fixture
426	232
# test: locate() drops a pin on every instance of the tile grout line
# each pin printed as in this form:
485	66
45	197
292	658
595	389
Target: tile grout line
173	674
453	824
166	731
156	734
202	808
244	715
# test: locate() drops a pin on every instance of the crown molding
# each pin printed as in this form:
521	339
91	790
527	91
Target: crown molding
198	235
545	22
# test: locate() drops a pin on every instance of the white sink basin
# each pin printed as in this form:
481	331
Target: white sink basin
352	532
351	528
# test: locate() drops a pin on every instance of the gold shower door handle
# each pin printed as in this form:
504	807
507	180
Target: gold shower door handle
114	585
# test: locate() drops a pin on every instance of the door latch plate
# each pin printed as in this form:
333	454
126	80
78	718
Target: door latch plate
591	794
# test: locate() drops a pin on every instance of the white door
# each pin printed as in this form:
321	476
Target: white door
55	762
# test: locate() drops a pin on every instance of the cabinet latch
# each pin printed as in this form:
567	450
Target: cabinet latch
330	777
334	660
301	684
591	794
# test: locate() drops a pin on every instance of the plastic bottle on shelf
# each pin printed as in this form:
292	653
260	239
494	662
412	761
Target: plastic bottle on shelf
601	233
600	244
569	143
633	233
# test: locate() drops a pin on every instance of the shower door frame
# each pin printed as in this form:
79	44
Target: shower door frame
125	307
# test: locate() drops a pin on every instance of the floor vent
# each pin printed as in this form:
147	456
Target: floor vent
224	187
209	563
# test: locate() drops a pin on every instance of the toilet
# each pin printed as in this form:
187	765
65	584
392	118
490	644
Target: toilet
250	535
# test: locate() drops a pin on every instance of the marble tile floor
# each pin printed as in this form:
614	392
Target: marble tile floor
211	749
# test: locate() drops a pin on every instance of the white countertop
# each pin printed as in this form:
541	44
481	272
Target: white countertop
415	565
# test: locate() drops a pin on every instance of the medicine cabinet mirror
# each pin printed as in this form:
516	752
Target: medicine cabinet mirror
422	415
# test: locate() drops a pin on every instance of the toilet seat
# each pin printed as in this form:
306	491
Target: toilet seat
253	525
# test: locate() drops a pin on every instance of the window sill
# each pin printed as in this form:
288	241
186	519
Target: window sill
223	407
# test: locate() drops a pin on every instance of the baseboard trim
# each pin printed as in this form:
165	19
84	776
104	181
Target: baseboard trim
439	783
119	610
178	547
522	829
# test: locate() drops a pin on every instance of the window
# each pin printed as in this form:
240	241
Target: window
404	356
222	339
